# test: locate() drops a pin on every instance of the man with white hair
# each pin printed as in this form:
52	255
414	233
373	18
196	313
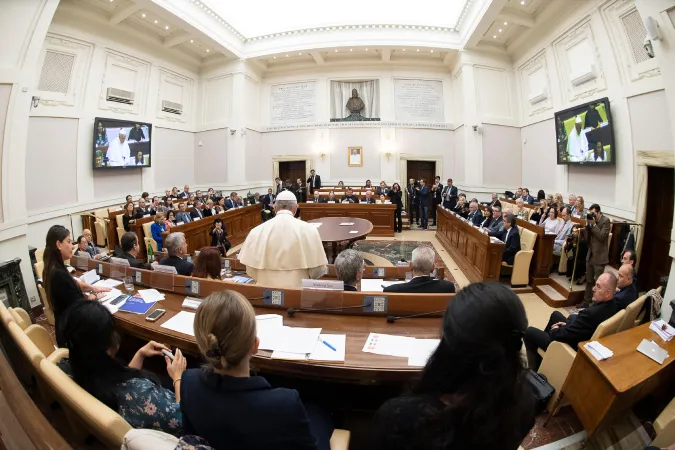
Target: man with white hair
422	265
176	247
284	250
349	268
93	251
577	144
118	152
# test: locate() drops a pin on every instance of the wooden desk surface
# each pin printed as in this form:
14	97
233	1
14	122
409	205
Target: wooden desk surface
331	230
381	216
359	367
472	250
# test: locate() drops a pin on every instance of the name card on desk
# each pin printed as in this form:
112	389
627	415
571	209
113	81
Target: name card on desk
330	201
180	223
146	216
196	219
309	201
323	284
164	269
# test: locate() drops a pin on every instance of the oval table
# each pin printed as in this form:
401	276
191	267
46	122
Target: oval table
332	232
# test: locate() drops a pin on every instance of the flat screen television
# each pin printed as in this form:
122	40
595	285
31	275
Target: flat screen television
121	144
585	134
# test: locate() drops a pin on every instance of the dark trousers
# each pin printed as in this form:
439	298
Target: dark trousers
398	221
435	212
320	424
536	339
414	210
424	209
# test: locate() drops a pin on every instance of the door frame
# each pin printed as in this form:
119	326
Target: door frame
403	166
276	159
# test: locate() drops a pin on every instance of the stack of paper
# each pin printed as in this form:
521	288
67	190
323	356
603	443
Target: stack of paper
108	282
421	351
598	350
90	277
329	348
386	344
268	327
183	322
151	295
665	331
109	297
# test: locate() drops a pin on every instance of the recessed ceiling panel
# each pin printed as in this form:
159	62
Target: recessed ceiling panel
264	17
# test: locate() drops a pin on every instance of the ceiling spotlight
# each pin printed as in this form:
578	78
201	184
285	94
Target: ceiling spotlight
143	15
155	21
432	51
366	49
495	37
336	50
207	50
522	2
418	49
166	27
500	30
299	54
192	41
351	49
403	49
275	57
506	23
286	56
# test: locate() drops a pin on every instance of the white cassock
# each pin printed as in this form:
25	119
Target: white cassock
118	152
577	145
283	251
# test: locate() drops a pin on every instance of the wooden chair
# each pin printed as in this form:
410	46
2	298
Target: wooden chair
520	270
85	413
99	227
632	312
21	317
120	233
558	358
47	304
149	240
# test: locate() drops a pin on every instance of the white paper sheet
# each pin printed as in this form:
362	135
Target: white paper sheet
323	353
386	344
353	231
316	224
376	284
183	322
90	277
421	350
108	282
344	224
114	293
268	329
297	340
151	295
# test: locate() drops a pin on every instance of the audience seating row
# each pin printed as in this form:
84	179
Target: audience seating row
520	269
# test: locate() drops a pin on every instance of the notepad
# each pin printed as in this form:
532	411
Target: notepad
90	277
353	231
297	340
151	295
183	322
136	305
321	352
346	224
268	328
386	344
109	283
658	326
421	350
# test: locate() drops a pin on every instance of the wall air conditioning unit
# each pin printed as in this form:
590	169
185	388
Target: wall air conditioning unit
587	75
119	96
536	97
172	107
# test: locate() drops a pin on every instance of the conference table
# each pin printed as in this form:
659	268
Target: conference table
381	216
474	252
334	230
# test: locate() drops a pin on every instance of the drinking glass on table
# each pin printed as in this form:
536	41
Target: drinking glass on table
128	284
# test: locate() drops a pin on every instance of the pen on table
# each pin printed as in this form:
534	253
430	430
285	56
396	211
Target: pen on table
328	345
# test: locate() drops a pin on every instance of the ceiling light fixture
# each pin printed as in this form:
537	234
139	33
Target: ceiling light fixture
500	30
299	54
166	27
351	49
432	51
495	37
155	21
366	49
286	56
522	2
192	41
403	49
506	23
275	57
418	49
143	15
336	50
207	50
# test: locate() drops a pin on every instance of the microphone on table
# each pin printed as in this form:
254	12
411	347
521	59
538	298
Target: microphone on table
392	319
291	311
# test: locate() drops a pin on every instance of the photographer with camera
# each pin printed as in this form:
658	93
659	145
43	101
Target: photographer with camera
597	226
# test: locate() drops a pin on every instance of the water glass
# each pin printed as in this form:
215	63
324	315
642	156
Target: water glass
128	284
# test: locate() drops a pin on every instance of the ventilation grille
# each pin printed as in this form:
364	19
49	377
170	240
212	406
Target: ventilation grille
172	107
636	33
120	96
56	71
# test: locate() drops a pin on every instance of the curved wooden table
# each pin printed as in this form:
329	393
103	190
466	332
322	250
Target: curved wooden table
332	232
359	367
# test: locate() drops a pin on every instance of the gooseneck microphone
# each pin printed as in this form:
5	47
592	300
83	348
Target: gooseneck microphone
392	319
291	311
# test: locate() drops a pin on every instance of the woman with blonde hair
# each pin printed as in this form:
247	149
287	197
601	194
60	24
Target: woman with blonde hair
227	406
578	209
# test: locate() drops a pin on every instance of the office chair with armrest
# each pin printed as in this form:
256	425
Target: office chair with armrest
120	233
39	268
5	316
632	312
558	358
664	425
520	270
99	227
47	304
41	338
21	317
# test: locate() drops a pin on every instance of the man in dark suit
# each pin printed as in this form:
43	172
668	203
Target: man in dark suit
629	258
527	198
349	268
497	225
130	250
234	201
142	209
314	181
368	198
627	291
185	193
597	226
382	189
577	327
176	247
413	203
437	196
511	239
349	197
423	198
495	201
422	265
475	215
279	185
267	205
197	212
449	195
182	215
300	191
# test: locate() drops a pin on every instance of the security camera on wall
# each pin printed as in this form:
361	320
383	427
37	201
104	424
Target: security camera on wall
649	48
232	132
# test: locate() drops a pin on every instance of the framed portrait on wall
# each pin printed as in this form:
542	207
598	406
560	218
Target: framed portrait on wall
355	156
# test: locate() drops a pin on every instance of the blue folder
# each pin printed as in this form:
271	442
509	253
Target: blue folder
136	305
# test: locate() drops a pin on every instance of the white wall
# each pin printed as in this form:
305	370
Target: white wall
539	157
650	122
502	164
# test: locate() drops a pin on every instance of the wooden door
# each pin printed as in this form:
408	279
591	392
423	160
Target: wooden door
292	170
654	261
425	170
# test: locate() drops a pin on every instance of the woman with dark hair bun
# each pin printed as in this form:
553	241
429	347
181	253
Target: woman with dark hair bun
472	394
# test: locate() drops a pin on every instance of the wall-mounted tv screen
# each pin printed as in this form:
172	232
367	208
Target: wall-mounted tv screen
585	134
121	144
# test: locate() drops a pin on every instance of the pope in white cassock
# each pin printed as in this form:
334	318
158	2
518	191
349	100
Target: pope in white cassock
577	143
118	151
284	250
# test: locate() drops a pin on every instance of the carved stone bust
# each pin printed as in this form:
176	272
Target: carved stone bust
355	104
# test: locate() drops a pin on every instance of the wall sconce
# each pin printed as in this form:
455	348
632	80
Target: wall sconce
35	102
323	155
387	154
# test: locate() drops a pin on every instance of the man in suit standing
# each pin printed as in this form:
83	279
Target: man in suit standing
436	191
183	215
314	181
475	215
627	291
511	239
300	191
577	327
422	265
449	195
368	198
197	213
527	198
597	226
350	197
130	250
185	193
279	185
566	230
349	268
423	199
413	203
